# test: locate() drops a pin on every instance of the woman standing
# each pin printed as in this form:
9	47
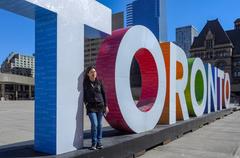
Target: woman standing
95	101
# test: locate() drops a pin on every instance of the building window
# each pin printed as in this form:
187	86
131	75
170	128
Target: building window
221	54
209	55
236	63
209	44
237	73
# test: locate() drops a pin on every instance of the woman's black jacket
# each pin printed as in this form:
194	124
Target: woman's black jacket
94	96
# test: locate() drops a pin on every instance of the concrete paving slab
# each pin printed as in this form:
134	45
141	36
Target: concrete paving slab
218	139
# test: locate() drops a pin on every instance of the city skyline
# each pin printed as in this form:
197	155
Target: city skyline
21	38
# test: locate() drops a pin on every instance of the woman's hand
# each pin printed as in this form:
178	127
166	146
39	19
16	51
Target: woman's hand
106	111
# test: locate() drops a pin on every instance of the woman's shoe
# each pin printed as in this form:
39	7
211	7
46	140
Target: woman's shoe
99	146
93	147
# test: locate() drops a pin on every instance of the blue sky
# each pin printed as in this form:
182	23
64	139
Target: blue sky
17	33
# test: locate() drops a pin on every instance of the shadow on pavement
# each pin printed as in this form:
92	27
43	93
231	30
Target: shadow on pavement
26	149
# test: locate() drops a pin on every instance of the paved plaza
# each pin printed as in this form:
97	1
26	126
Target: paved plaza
17	121
220	139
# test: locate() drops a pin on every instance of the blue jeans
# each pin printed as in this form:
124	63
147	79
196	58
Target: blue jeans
96	126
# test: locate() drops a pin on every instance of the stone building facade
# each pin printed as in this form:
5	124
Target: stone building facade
222	49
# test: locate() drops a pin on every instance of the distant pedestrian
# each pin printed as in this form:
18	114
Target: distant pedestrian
95	101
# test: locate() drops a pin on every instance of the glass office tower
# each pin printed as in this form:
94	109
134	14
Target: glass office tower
150	13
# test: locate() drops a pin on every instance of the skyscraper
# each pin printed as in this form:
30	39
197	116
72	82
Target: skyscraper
185	37
149	13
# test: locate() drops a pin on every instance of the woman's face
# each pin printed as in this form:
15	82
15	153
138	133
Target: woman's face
92	74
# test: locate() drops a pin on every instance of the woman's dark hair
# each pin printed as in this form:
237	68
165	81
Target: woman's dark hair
86	78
